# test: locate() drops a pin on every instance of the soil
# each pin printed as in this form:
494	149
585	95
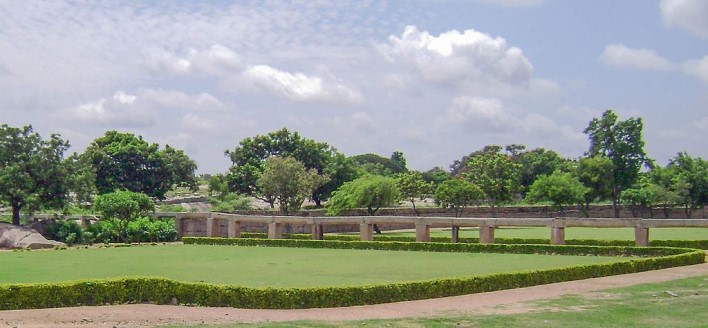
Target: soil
501	302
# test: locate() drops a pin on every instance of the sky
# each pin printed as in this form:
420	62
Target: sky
433	79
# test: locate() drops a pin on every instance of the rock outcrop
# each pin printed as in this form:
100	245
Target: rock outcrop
12	236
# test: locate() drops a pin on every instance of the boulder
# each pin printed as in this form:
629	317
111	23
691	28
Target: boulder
12	236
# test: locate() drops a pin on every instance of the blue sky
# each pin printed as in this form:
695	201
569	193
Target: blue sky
435	79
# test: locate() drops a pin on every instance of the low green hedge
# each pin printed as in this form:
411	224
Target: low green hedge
698	244
166	291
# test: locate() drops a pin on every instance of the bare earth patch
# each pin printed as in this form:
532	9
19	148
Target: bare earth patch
501	302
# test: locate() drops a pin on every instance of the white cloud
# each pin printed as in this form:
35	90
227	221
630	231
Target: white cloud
194	121
691	15
513	3
216	60
697	68
140	109
299	87
619	55
120	110
468	57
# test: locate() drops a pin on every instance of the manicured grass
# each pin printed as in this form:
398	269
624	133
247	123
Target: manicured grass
575	233
267	266
647	305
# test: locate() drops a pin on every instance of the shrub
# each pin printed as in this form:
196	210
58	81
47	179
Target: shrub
66	231
230	202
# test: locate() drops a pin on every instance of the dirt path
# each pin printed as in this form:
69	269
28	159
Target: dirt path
501	302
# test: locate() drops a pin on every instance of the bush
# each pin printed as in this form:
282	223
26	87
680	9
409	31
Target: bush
66	231
230	202
162	291
141	230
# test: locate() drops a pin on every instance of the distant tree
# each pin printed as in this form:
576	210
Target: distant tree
637	199
460	167
218	186
123	206
398	158
379	165
622	143
124	161
82	179
412	186
249	156
596	174
560	188
286	180
497	175
693	171
370	191
33	173
457	194
436	176
534	163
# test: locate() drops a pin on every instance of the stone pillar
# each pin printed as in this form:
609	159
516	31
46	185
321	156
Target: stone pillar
641	236
317	232
486	235
274	231
210	227
558	235
455	237
422	232
178	227
366	231
234	229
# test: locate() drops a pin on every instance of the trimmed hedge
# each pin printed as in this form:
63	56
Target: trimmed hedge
165	291
698	244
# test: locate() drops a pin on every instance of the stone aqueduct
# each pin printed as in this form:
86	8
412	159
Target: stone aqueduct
214	224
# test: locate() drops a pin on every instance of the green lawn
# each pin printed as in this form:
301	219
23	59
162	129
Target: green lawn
267	266
647	305
575	233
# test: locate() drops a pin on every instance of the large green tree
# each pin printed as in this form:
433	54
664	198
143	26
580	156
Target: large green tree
596	174
123	206
125	161
249	156
370	191
457	194
33	172
287	182
496	174
560	188
379	165
694	172
622	143
412	186
534	163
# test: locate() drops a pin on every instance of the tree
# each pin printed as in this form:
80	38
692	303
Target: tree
370	191
248	158
496	174
560	188
412	186
534	163
436	176
33	173
596	174
457	194
124	161
622	143
460	167
218	186
123	206
694	173
379	165
287	182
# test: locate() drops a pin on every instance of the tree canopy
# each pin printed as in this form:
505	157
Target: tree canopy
370	191
287	182
33	172
496	174
123	206
124	161
560	188
457	194
621	142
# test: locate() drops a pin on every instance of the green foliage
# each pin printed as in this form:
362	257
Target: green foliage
436	176
230	202
370	191
412	186
496	174
172	208
621	142
378	165
66	231
457	194
287	182
595	173
124	206
124	161
692	172
534	163
33	174
140	230
163	291
561	189
218	186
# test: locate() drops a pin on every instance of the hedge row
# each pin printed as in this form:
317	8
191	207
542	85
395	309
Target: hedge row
165	291
698	244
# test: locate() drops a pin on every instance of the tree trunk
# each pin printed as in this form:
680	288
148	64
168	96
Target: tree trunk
15	215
